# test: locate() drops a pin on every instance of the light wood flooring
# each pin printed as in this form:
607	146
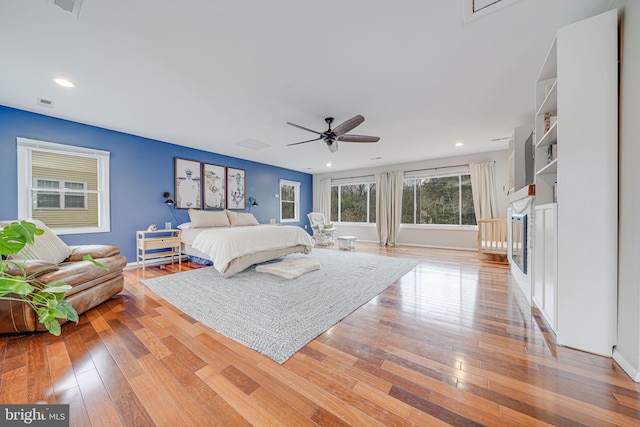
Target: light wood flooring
451	343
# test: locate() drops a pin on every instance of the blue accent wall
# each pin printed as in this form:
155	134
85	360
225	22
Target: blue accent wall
141	170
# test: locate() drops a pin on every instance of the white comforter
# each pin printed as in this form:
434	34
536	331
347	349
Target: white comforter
224	244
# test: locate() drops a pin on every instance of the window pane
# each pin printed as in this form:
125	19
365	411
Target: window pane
289	203
372	203
74	201
353	203
69	171
287	193
408	201
47	200
45	183
288	210
334	203
74	185
438	200
468	212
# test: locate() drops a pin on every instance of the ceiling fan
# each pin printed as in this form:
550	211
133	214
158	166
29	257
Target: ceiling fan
332	136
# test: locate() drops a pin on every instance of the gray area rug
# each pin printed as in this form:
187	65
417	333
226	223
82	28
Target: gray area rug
277	316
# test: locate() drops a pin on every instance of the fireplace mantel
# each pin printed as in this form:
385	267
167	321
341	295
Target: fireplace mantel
524	192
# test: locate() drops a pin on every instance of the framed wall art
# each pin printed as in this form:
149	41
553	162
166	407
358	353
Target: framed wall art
214	189
236	179
188	183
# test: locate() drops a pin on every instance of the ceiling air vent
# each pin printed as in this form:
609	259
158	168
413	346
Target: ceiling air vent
252	144
45	103
70	6
473	9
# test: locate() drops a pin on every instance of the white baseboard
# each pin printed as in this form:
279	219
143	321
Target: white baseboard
626	366
421	246
455	248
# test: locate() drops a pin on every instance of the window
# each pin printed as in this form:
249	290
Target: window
56	194
353	202
65	187
438	200
289	201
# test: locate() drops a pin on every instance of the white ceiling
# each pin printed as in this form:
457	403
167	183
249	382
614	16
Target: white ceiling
209	74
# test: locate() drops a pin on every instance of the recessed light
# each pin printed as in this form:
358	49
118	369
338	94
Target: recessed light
459	144
328	165
63	82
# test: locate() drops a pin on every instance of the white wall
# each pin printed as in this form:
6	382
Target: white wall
627	351
433	236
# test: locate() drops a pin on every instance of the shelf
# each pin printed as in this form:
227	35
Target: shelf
164	244
163	254
549	168
551	137
550	103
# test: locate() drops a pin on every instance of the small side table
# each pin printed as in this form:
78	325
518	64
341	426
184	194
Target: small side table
157	244
347	243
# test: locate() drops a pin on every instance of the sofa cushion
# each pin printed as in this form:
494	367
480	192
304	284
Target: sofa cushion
96	251
84	274
34	267
47	246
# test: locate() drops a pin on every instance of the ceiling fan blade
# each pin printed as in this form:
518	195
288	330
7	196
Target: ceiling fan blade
345	127
358	138
304	142
301	127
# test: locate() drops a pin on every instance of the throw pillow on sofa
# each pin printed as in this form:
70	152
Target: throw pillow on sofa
47	247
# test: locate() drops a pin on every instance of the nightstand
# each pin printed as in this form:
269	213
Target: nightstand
157	244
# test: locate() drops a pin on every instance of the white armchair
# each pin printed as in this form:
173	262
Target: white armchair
323	232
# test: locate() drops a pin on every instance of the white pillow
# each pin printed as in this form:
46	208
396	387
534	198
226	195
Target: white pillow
47	247
185	226
205	219
240	218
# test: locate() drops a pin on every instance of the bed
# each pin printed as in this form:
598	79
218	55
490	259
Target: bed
241	242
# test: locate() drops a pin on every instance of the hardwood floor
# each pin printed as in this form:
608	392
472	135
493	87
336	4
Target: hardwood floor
451	343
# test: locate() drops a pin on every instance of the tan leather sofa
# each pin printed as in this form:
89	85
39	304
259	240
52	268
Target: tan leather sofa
90	284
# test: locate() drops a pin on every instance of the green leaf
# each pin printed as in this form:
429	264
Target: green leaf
43	315
16	235
53	326
68	310
40	299
56	287
21	288
89	258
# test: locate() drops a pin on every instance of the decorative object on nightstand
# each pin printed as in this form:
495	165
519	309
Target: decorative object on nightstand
153	244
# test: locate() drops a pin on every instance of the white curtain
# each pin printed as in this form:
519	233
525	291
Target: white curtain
382	209
483	188
325	199
395	205
389	206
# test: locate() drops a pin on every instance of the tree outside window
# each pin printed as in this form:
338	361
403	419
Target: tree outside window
438	200
289	201
353	203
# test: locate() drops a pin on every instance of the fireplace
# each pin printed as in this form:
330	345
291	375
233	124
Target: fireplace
519	241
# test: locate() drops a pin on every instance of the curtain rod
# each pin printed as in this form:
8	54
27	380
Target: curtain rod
442	167
415	170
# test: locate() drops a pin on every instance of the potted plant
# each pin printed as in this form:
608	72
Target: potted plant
19	280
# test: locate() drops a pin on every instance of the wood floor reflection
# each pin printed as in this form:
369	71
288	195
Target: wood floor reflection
453	342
